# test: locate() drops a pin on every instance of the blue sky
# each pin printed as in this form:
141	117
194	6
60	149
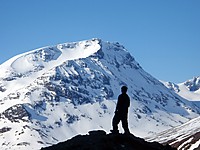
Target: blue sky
162	35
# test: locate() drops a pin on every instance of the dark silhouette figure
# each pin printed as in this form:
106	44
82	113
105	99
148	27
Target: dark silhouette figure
121	112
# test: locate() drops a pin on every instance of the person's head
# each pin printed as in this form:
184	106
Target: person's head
124	89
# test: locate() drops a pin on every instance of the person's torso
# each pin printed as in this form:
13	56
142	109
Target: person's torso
124	103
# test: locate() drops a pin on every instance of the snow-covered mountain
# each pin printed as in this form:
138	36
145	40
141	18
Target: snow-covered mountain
186	136
189	90
183	137
53	93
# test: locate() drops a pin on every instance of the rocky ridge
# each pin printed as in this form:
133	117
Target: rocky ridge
99	140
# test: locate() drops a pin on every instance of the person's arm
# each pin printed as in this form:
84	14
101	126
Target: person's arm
118	103
128	101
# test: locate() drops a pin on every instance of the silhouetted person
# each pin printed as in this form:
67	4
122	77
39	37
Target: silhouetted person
121	112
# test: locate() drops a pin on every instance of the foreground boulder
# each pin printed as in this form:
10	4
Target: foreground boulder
99	140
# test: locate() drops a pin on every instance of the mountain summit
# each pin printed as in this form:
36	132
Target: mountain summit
52	93
99	140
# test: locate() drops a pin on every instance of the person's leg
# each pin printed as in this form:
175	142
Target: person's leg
125	124
115	122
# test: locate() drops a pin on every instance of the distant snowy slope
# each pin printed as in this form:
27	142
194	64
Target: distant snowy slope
183	137
53	93
189	90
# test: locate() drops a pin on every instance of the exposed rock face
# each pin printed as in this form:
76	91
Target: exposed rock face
193	84
98	140
15	113
186	143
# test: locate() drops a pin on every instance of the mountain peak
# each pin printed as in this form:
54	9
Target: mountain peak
52	54
193	84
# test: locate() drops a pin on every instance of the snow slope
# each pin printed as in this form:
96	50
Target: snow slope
183	137
53	93
21	70
186	136
189	90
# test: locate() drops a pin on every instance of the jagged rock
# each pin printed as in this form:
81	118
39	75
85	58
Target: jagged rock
193	84
5	129
15	113
99	140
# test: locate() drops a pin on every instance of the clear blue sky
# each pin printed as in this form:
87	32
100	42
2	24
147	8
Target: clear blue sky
162	35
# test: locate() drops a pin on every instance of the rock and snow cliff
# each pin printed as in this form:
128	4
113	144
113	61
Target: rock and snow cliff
53	93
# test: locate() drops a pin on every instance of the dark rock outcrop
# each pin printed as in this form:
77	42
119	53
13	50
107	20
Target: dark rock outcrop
15	113
99	140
